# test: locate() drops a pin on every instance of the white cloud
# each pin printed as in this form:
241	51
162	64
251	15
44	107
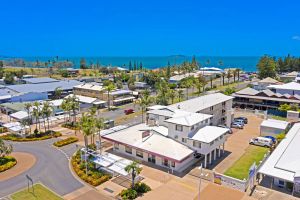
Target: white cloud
296	37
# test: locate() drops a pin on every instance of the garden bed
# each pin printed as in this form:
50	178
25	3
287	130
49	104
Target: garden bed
132	193
93	176
7	162
32	137
66	141
72	126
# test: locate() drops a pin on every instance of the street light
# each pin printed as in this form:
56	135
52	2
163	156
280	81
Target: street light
200	180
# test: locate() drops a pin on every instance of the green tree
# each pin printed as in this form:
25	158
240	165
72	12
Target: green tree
180	95
266	67
83	63
9	78
172	95
47	111
36	113
58	93
134	169
228	75
109	88
284	107
99	124
5	149
144	102
28	107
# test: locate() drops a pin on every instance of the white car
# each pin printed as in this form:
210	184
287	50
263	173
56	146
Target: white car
261	141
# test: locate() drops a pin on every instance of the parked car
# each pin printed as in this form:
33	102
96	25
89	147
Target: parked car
237	125
128	111
261	141
272	138
240	121
245	119
223	126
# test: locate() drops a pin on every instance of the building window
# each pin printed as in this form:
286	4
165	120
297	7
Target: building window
281	182
206	121
184	140
211	108
116	145
166	162
139	154
197	144
221	137
128	150
211	143
224	103
172	164
179	128
176	137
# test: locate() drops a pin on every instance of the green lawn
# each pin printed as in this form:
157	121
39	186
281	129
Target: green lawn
240	168
40	193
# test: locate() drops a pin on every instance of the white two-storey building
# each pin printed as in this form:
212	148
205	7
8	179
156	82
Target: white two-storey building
170	138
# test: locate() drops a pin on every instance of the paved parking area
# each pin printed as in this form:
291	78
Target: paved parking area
238	142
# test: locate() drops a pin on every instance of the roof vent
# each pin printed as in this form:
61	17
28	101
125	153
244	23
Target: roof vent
178	106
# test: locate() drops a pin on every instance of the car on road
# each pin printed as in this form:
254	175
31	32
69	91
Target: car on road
237	125
244	119
261	141
223	126
128	111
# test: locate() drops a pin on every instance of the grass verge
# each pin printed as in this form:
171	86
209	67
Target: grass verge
40	193
240	168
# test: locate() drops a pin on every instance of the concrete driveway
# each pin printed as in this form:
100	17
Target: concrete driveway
238	142
51	169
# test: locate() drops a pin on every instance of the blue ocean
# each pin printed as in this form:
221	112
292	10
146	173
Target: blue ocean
246	63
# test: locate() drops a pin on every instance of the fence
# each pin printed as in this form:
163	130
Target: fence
238	184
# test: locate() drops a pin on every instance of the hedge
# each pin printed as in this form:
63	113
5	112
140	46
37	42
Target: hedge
94	177
66	141
17	138
71	126
7	162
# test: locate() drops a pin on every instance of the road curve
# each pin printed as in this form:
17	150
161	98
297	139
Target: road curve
51	169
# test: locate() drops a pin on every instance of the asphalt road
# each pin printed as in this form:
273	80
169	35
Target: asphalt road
51	169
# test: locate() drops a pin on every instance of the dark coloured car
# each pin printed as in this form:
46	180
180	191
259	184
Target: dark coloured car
128	111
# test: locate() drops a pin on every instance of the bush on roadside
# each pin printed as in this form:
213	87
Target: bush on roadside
7	162
94	177
32	137
71	125
66	141
142	188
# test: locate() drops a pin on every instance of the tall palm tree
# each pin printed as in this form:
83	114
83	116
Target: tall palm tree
172	95
223	78
47	111
37	114
28	107
109	88
198	85
238	73
135	170
87	128
180	95
144	102
99	124
228	75
74	106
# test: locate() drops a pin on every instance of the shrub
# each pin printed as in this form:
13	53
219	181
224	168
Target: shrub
33	137
7	162
66	141
128	194
142	188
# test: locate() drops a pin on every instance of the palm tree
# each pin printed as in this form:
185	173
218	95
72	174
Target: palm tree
74	106
211	81
187	83
238	73
109	88
135	170
198	85
172	95
57	93
87	128
5	149
99	124
228	75
144	102
28	107
36	114
223	78
180	95
47	111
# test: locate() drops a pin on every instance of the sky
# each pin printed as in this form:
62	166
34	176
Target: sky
149	28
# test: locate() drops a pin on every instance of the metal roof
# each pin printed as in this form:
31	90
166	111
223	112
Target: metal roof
44	87
40	80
